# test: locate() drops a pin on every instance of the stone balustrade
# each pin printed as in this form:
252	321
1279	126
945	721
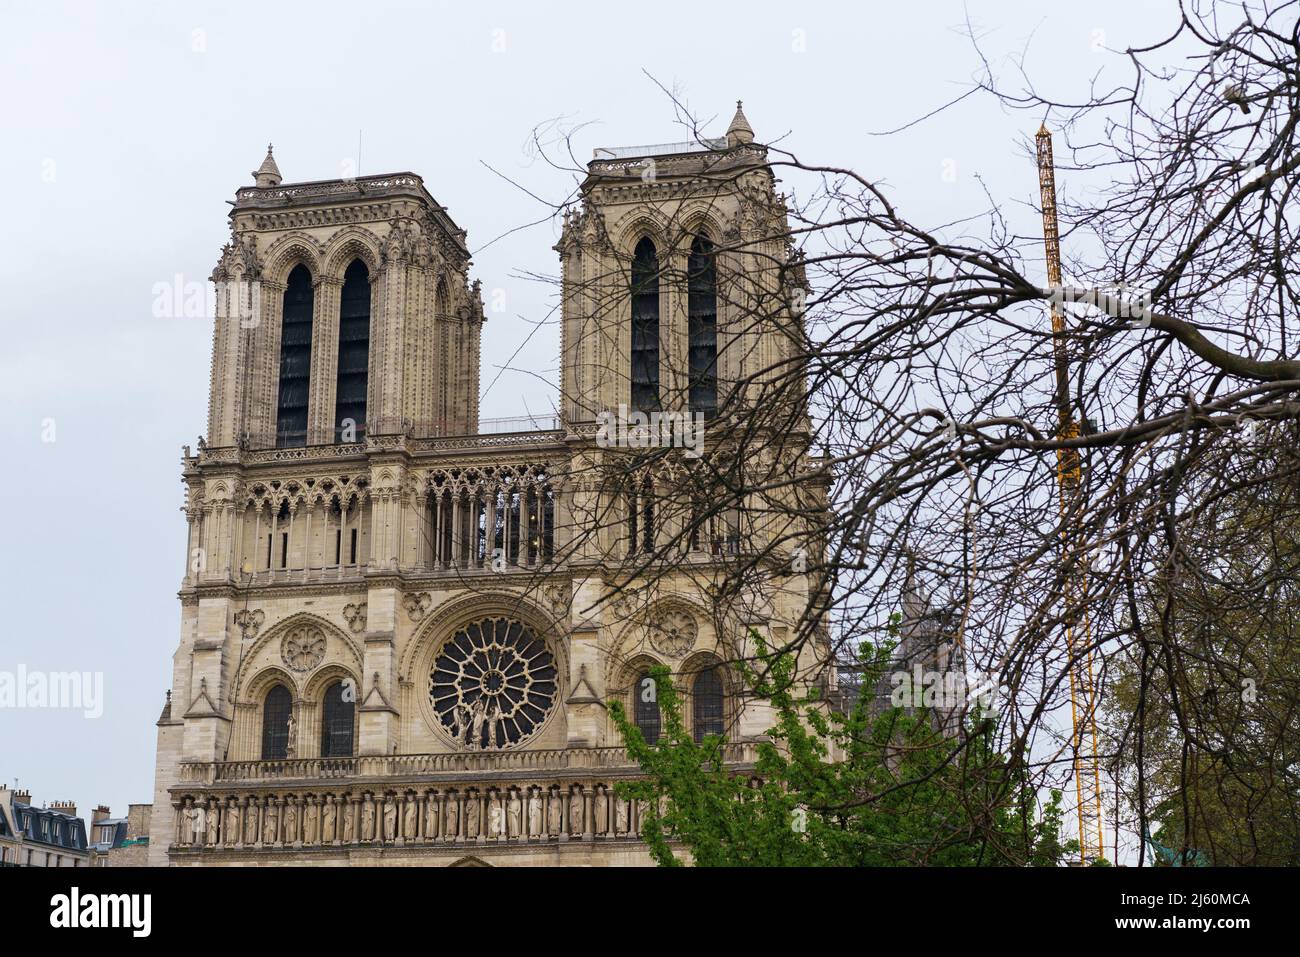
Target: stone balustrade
380	767
515	797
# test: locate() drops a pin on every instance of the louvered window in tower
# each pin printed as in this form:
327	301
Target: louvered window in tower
702	310
354	355
645	327
295	360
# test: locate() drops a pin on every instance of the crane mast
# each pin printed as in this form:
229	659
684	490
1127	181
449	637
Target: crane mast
1069	474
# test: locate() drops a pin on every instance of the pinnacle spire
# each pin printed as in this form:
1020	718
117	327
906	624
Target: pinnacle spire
268	174
739	131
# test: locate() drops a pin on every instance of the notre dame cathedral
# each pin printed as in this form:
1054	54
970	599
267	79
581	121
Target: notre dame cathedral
402	627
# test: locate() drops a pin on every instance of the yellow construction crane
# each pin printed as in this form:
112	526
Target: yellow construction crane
1069	474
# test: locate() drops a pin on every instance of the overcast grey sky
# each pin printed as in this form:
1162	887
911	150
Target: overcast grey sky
127	130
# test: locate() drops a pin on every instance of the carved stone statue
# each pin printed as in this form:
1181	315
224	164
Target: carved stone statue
464	720
411	817
534	813
328	819
493	720
367	819
271	827
494	817
291	820
198	823
575	813
291	747
431	817
309	818
601	800
349	821
554	815
477	716
471	816
214	822
620	815
233	832
452	829
390	818
250	823
515	815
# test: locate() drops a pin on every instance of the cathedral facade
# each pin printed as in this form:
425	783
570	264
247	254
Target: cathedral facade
402	627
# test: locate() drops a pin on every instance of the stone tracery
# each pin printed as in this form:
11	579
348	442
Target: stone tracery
303	647
493	684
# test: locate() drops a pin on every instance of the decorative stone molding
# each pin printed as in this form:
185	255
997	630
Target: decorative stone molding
558	595
249	621
355	616
673	632
417	605
303	647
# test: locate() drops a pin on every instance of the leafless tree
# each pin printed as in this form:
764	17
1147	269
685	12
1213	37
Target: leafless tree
927	453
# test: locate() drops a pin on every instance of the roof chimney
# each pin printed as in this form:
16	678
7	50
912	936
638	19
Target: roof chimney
22	797
67	807
100	813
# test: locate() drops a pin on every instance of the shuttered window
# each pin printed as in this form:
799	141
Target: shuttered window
645	326
295	360
702	311
354	355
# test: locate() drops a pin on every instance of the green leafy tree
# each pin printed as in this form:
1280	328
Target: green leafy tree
864	788
1204	702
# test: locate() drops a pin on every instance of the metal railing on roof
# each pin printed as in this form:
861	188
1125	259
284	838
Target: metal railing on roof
660	149
520	423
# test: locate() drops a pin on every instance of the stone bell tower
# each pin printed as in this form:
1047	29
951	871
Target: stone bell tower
409	360
678	277
400	636
346	328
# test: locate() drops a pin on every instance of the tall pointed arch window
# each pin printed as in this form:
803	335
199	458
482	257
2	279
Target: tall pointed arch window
275	724
295	360
337	718
702	313
645	326
354	354
645	707
706	704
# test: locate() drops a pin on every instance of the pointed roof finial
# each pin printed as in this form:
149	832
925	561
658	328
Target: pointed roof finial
739	131
268	174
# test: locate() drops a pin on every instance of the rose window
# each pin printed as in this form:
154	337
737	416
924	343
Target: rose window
674	633
303	648
492	685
